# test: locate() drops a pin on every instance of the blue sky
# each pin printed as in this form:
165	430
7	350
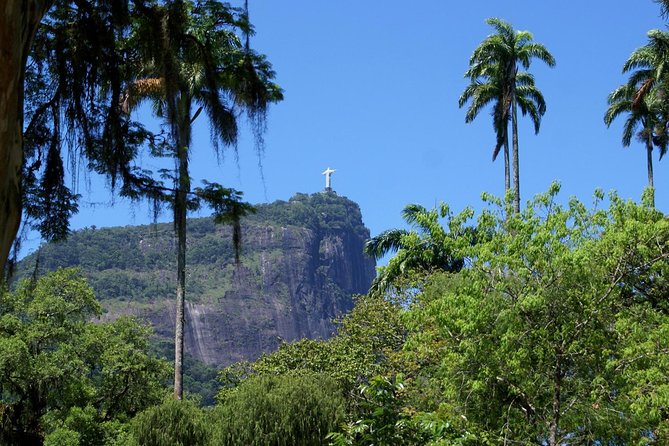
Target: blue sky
371	90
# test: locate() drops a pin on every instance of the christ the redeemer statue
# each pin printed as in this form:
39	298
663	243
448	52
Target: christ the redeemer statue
328	179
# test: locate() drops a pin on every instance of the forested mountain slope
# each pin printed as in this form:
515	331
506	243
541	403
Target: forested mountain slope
301	264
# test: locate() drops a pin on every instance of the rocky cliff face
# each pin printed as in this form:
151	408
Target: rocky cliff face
301	264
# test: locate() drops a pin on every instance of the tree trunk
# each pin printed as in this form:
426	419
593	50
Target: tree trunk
516	173
507	171
180	214
649	160
18	21
554	427
180	227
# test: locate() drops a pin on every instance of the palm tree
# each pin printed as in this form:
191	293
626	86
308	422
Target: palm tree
486	88
643	97
498	58
197	59
646	119
428	248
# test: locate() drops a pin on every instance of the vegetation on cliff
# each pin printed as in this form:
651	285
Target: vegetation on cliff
301	263
133	262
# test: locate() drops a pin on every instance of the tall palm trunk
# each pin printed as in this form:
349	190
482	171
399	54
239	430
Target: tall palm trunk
18	22
516	169
507	169
649	161
180	227
180	213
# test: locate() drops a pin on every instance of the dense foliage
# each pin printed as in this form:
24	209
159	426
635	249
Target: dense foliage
296	409
62	376
546	333
367	342
172	423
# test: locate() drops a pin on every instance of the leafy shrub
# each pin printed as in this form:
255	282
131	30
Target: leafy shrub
172	423
291	409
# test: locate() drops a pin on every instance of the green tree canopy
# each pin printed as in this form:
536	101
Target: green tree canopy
289	409
172	423
57	366
553	333
366	344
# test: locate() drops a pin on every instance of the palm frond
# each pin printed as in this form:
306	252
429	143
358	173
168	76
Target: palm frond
468	93
411	212
615	110
631	124
140	90
504	29
529	107
533	94
523	78
664	4
533	50
641	58
384	243
490	50
481	95
639	77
